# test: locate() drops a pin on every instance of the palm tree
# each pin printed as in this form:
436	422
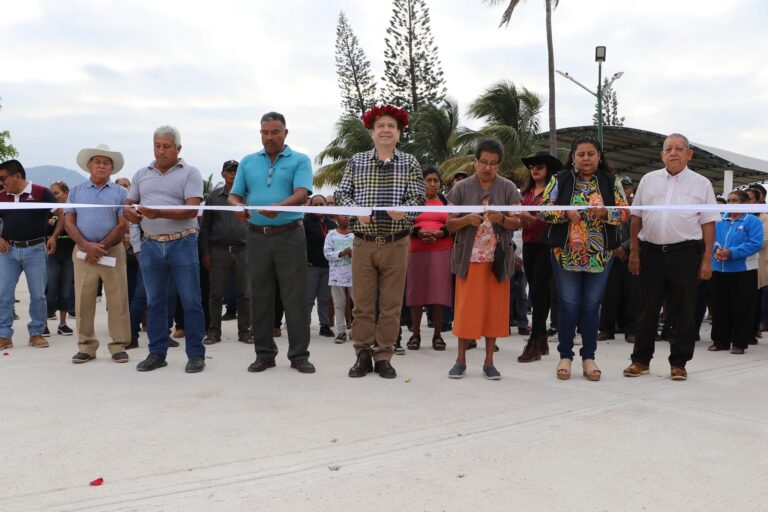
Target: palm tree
351	137
549	4
510	115
433	132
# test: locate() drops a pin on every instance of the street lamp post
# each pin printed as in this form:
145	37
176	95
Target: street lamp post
599	58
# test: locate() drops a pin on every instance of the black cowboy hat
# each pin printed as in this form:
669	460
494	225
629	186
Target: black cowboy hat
542	157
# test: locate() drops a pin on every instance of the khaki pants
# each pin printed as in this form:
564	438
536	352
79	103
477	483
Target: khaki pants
378	272
116	288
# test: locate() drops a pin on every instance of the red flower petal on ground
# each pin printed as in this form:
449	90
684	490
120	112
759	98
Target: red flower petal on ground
98	481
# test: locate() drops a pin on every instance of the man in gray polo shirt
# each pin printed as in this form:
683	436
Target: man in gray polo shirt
98	233
169	248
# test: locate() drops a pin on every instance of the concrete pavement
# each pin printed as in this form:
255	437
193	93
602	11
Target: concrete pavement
228	440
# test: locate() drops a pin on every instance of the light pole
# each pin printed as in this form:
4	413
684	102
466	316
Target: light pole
599	58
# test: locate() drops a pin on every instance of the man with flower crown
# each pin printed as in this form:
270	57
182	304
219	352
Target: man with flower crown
382	177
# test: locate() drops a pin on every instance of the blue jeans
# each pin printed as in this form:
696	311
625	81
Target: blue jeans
581	294
164	264
34	262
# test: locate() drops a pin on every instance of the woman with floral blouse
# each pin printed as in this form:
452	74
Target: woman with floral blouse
582	242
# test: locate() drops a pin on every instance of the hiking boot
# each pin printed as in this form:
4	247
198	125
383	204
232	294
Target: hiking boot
531	352
38	341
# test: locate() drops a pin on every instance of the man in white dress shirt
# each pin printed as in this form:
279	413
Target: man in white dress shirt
672	250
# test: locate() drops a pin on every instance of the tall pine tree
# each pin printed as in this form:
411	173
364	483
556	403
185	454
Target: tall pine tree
413	75
357	84
610	107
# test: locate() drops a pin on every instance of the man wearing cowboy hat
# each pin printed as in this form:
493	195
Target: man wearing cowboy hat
98	235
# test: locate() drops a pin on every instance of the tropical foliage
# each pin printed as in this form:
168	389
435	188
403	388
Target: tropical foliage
505	19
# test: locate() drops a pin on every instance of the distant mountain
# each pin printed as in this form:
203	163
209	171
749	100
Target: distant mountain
47	174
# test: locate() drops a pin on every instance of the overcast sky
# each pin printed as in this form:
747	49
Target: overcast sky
76	73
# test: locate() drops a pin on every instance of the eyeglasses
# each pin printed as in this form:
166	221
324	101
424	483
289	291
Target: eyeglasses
485	163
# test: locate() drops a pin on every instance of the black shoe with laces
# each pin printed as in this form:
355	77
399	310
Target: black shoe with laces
363	366
384	369
152	362
46	333
64	330
303	366
195	364
260	364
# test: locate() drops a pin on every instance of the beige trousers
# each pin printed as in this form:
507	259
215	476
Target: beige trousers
115	281
378	272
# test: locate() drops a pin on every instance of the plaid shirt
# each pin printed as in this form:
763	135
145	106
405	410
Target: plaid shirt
368	181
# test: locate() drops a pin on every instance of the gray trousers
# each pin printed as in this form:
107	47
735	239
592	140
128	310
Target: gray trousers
224	266
283	257
317	286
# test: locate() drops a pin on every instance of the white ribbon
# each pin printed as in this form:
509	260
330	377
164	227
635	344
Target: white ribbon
359	210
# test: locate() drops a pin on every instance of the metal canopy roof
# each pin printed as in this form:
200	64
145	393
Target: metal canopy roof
635	152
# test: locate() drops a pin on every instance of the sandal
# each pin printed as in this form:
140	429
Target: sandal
737	350
414	342
438	343
592	374
564	369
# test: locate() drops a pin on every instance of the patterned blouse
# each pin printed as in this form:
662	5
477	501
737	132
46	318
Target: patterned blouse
585	249
485	242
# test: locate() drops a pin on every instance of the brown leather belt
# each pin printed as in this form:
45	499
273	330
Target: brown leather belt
275	230
26	243
383	239
171	237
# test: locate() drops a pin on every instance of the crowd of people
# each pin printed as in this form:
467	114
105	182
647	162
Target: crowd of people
584	260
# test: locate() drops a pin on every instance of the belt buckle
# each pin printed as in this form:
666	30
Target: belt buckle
665	248
380	240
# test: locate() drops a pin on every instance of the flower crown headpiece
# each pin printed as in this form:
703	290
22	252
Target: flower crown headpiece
400	115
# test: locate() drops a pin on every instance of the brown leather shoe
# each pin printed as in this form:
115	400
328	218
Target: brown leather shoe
679	373
605	336
6	343
38	341
543	345
530	352
636	370
178	333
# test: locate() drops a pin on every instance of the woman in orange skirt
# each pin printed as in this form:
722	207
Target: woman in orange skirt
481	306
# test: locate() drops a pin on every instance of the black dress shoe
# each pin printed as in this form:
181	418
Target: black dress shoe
260	364
303	366
384	369
152	362
195	364
172	342
82	357
363	366
133	344
120	357
326	331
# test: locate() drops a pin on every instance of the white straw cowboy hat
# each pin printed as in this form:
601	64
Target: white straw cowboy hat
85	155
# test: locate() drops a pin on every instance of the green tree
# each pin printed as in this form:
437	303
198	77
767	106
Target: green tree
505	18
610	107
7	151
413	75
510	115
356	81
351	137
433	133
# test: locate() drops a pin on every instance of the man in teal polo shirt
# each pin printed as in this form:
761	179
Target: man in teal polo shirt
276	176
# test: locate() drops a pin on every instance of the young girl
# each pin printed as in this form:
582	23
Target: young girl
338	252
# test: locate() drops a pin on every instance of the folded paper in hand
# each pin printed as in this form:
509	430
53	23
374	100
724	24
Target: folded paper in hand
107	261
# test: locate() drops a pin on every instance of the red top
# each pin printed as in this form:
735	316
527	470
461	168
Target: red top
431	221
532	232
